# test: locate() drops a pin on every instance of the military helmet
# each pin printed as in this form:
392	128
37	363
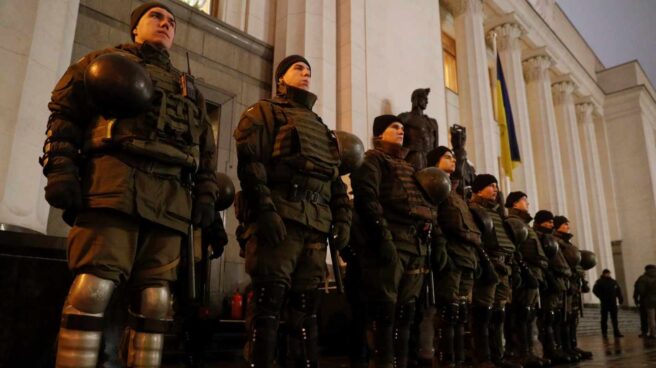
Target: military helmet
588	259
226	192
572	255
549	246
351	152
435	183
118	86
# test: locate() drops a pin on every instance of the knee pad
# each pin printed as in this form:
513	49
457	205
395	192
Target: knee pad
268	298
89	294
155	302
304	301
463	312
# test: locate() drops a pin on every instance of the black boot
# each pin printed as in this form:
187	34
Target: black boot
302	329
405	314
446	325
529	338
565	338
380	321
550	348
480	330
524	334
573	325
263	324
496	339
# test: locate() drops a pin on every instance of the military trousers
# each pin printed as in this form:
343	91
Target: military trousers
498	294
454	285
299	261
525	297
398	282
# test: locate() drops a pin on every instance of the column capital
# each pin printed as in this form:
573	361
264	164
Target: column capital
459	7
584	109
536	67
507	35
562	90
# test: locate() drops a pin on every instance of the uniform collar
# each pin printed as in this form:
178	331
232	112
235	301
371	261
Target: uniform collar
565	236
297	95
525	216
153	54
391	149
489	204
543	229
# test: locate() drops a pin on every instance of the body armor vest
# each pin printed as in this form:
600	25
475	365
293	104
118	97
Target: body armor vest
400	195
301	133
496	240
169	131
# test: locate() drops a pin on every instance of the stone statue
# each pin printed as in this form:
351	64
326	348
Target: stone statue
421	134
465	171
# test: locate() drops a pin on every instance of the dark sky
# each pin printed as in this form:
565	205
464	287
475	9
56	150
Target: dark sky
617	30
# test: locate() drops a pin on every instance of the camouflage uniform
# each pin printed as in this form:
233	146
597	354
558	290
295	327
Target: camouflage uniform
288	163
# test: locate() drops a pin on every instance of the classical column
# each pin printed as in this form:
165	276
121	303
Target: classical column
41	36
475	97
577	191
507	35
308	28
596	194
549	175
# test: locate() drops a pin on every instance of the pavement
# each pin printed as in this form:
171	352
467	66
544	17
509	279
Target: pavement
628	352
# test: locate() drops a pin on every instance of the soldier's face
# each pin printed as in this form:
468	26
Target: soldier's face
393	134
447	163
522	204
157	27
564	228
548	224
489	192
298	75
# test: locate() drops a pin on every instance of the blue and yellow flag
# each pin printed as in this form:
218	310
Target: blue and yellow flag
509	147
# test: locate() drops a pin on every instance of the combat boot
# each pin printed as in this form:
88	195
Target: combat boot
380	318
496	340
446	325
404	316
480	331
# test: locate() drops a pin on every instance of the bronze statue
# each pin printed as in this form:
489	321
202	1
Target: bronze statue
465	171
421	134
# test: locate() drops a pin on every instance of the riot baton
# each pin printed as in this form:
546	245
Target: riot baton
191	266
431	279
334	256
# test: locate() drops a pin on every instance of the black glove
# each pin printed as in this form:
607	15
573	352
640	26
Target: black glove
348	254
340	234
203	213
271	228
63	191
529	281
387	252
516	280
439	258
215	236
488	275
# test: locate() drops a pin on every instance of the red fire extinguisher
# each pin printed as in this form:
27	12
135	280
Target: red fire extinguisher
236	311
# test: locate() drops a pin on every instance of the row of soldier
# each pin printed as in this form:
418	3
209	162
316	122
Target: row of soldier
131	161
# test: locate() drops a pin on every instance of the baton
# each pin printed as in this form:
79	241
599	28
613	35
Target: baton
335	260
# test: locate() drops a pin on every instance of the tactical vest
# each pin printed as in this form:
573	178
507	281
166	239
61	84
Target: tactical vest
498	240
302	133
168	132
531	249
400	195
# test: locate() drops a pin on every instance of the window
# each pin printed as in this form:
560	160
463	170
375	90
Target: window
449	55
206	6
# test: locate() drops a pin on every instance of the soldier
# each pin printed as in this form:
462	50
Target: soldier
121	155
638	299
490	299
577	285
288	166
556	278
525	298
399	222
421	134
455	284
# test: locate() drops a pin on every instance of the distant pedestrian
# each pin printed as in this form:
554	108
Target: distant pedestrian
608	291
637	298
645	297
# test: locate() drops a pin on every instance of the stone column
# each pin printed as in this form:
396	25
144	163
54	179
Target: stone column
575	184
596	193
550	180
308	28
37	38
508	33
475	97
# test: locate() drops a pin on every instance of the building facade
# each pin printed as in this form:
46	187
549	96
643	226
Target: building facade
586	132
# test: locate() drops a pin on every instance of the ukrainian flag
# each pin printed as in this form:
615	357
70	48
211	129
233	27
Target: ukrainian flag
509	147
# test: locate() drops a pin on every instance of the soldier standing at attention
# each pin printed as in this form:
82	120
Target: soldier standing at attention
121	155
490	299
455	284
288	166
577	286
400	220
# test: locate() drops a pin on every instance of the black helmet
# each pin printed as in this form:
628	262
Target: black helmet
435	183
